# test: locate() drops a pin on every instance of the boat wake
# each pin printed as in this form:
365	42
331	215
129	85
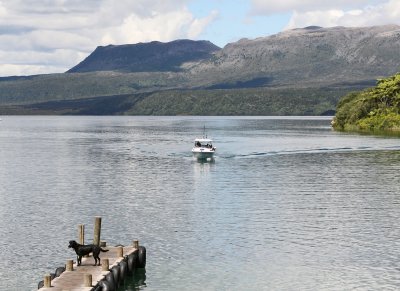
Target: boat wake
308	151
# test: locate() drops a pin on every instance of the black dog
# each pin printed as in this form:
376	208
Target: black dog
83	250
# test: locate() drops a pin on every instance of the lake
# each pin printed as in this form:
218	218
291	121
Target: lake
287	204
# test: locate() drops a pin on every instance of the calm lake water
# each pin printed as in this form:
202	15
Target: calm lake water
288	204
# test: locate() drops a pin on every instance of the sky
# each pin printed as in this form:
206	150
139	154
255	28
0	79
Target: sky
52	36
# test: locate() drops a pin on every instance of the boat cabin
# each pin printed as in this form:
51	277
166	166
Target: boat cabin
203	143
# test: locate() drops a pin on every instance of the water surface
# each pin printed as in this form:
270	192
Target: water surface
288	204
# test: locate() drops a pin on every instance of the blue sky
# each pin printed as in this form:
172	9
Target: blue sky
235	21
51	36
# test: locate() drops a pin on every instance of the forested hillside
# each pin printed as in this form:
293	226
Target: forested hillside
374	109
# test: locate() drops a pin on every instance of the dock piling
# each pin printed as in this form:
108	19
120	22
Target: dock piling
47	281
105	265
97	230
136	244
88	280
120	252
81	234
69	265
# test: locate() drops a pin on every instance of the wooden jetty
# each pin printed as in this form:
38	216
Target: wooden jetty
116	264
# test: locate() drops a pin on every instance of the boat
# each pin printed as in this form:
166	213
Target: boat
203	147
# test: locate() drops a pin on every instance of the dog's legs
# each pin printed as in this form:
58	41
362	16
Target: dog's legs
95	262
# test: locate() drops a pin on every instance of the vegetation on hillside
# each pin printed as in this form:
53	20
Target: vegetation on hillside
112	93
254	101
374	109
62	87
250	101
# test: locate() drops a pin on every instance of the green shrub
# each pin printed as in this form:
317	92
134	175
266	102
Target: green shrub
372	109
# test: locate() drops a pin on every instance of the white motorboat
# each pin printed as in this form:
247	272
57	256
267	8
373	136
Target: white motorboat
203	149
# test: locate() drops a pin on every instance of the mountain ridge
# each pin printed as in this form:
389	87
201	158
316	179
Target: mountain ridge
312	59
145	57
308	54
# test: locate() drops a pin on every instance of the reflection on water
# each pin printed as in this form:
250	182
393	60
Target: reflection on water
203	167
287	204
135	282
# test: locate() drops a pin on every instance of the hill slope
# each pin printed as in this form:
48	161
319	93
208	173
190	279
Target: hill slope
145	57
310	56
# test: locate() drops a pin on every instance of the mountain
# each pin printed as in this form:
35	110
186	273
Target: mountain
308	68
145	57
311	56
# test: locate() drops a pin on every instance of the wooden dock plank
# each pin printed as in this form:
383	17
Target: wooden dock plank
74	280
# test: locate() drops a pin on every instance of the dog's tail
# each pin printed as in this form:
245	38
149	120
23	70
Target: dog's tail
103	250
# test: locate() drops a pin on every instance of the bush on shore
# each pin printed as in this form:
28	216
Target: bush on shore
373	109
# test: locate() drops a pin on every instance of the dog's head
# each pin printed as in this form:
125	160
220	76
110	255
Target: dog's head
72	244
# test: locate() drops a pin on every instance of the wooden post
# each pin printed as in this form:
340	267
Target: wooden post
135	244
88	280
97	230
81	234
105	265
103	244
120	252
47	281
70	265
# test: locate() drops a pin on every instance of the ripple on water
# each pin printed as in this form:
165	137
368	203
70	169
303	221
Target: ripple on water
286	205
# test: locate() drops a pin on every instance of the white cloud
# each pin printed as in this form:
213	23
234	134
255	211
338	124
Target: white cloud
26	70
385	13
331	13
198	25
160	26
48	36
30	62
262	7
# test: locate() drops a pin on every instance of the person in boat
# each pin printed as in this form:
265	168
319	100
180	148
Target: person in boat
198	144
